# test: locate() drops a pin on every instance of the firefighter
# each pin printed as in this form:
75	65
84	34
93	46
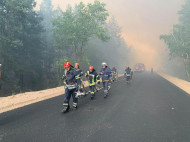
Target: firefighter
105	72
69	78
128	73
93	78
78	72
114	74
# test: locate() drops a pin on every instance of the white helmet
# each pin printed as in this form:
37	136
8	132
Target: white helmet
104	64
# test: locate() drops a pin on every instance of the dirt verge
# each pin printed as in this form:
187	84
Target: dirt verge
182	84
23	99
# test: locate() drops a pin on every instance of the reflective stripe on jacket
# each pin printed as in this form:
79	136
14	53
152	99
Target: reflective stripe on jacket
70	79
78	73
106	74
93	77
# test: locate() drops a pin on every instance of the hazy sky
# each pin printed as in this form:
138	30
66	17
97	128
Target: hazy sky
142	22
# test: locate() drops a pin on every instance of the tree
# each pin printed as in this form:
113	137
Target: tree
178	40
49	53
185	13
47	12
74	27
20	44
114	51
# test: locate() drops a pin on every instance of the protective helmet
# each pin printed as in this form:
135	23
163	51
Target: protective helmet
76	65
67	64
91	68
104	64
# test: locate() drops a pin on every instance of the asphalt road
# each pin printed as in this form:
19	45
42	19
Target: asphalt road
150	109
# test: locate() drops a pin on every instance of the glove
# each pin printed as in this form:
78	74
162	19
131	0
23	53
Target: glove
86	74
63	77
66	80
81	74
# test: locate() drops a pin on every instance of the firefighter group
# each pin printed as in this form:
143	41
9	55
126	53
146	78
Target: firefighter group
74	86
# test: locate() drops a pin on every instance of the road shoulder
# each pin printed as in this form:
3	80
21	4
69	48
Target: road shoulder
27	98
182	84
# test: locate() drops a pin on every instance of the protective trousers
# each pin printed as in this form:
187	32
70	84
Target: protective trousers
92	90
105	85
68	94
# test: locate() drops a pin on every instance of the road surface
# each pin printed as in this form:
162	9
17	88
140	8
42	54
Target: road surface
150	109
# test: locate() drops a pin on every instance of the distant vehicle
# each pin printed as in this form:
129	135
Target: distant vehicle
139	67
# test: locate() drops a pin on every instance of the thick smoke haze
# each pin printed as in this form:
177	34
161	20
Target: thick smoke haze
142	22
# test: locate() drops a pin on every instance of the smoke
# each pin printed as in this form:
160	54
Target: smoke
142	22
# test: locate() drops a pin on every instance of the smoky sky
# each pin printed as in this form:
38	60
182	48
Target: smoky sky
142	22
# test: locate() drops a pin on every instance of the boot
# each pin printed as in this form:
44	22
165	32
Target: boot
65	109
75	106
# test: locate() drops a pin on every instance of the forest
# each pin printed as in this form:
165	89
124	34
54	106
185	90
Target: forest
34	44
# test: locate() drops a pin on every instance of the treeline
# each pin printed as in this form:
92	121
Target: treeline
35	44
178	41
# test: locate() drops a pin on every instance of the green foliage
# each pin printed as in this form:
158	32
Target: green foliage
75	27
185	13
33	49
178	40
20	44
60	63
